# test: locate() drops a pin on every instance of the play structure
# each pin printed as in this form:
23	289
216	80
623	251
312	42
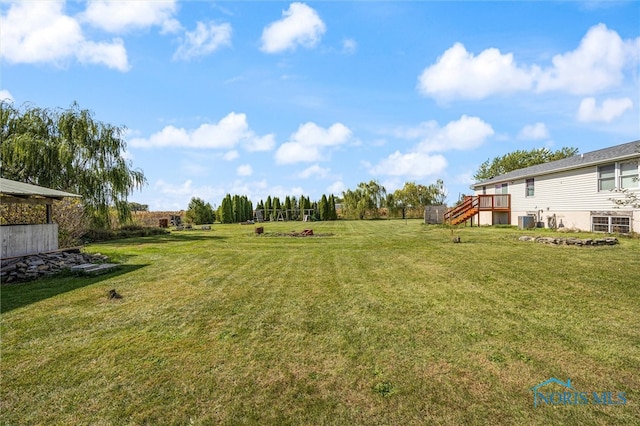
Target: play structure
283	215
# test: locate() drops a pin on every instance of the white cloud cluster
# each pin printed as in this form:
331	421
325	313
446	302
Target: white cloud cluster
205	39
463	134
314	170
598	63
349	46
460	74
412	164
534	132
310	142
300	26
244	170
225	134
607	112
336	188
5	95
122	16
39	32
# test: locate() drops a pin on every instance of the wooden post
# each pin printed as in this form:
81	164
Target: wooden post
49	213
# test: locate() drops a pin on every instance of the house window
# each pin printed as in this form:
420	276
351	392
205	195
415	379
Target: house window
484	190
629	175
502	188
617	224
606	177
529	188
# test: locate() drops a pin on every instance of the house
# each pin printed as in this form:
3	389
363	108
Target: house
26	239
574	192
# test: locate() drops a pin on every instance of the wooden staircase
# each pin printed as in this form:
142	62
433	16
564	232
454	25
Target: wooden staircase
462	212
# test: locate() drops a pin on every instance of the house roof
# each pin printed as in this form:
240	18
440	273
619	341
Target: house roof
614	153
13	191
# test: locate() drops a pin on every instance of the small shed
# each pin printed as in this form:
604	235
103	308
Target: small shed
26	239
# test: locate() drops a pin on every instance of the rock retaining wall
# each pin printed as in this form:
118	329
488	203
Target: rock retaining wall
27	268
609	241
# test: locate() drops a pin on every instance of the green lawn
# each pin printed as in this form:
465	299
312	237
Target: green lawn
375	322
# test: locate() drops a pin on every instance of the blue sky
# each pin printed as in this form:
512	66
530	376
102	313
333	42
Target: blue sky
290	98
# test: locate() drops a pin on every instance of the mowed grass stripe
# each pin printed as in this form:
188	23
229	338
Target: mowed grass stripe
383	322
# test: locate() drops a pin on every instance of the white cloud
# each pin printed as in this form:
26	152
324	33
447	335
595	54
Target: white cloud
231	155
121	16
349	46
607	112
5	95
39	32
300	26
461	135
337	188
262	143
244	170
291	152
597	64
464	134
177	196
460	74
113	55
534	132
225	134
193	169
205	39
314	170
412	165
310	142
465	178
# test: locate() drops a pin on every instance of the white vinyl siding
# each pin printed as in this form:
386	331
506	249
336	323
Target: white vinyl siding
572	190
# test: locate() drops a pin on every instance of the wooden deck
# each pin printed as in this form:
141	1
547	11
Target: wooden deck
472	205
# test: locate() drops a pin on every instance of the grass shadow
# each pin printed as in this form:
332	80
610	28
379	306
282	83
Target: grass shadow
185	236
19	295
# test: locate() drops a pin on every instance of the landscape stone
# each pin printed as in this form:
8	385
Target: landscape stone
572	241
25	268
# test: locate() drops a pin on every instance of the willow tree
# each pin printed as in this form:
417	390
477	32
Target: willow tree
69	150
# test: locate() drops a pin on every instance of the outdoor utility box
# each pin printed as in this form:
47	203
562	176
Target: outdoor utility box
526	222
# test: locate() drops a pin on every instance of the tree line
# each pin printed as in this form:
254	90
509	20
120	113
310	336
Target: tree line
369	200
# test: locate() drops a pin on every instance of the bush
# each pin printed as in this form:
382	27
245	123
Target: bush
127	231
200	212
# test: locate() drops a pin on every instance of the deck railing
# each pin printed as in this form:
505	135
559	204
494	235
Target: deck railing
473	204
495	202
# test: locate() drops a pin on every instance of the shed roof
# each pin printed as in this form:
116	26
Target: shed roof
13	191
614	153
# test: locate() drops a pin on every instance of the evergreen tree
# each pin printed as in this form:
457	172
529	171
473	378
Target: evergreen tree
199	212
226	209
268	208
248	209
323	207
332	208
